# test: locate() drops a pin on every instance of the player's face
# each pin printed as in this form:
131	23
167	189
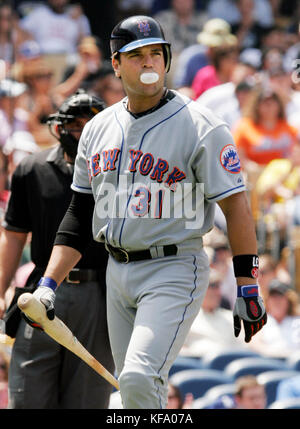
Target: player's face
136	62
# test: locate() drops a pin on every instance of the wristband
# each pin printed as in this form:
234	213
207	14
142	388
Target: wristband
48	282
247	291
246	266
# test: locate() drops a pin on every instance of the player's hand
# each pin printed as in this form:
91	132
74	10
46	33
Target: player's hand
46	296
250	310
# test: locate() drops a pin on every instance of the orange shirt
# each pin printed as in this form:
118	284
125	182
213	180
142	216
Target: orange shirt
262	145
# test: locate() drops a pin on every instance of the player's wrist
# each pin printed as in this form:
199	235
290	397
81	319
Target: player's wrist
247	291
246	266
47	282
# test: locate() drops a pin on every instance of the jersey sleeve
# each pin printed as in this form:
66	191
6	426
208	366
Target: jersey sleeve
217	165
81	178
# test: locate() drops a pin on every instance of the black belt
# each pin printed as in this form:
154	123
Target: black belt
78	275
121	255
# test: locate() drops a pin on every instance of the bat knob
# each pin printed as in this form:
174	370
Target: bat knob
24	300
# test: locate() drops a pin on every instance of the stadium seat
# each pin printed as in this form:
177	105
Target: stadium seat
218	360
204	403
286	404
271	379
253	366
222	389
198	381
294	361
201	403
182	363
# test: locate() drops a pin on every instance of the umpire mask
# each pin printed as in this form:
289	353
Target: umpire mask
79	105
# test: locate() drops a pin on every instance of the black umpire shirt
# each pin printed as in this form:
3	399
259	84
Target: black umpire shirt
40	196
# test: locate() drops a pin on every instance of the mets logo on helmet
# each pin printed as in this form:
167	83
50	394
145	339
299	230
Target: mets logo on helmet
144	27
229	159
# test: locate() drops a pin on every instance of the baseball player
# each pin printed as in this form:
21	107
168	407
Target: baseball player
142	165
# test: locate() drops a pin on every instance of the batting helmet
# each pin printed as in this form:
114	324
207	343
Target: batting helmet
138	31
79	105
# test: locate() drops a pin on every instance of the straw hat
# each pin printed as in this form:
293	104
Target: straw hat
216	33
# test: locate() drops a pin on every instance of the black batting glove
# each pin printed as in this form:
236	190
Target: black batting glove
249	308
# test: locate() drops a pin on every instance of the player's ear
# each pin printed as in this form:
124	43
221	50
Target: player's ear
115	61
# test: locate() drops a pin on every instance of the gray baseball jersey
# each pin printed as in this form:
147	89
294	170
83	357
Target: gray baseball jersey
150	177
144	173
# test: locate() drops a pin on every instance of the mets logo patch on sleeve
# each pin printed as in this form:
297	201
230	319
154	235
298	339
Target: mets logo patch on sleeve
230	160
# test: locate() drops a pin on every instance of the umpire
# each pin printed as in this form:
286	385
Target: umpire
43	374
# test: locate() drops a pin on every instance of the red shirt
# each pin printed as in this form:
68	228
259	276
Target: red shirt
205	78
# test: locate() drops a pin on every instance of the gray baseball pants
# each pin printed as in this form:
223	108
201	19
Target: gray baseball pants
151	307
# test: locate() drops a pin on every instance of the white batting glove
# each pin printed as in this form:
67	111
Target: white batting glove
46	295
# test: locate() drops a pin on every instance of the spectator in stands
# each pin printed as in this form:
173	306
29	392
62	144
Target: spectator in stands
212	329
266	273
280	80
222	53
281	335
283	266
223	62
75	11
248	30
38	100
189	61
249	394
85	72
108	87
292	53
11	35
222	263
229	99
263	133
53	28
181	23
175	400
271	59
17	146
229	11
278	189
216	33
127	8
12	116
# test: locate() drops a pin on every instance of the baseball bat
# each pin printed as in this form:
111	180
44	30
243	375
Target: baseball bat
57	330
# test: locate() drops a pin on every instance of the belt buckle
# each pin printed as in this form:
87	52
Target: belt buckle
68	280
126	255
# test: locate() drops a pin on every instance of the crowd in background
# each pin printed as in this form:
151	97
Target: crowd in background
240	58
